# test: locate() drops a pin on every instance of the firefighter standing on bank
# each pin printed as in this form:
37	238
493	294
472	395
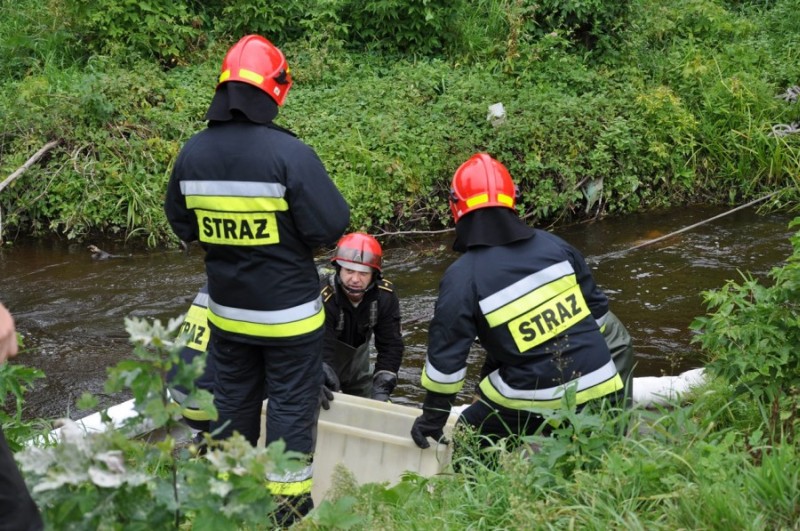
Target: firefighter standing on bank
359	305
260	201
526	294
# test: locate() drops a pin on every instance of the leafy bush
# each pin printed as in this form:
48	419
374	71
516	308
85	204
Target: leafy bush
164	30
587	22
683	109
111	480
15	381
751	334
413	26
280	22
31	37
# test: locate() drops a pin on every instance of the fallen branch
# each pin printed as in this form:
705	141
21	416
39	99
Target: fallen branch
412	232
28	163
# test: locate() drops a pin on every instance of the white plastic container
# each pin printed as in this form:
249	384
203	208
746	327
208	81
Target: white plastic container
372	440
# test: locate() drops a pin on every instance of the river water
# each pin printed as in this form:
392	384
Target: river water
71	308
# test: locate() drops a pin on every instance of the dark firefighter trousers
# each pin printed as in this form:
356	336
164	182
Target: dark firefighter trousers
293	375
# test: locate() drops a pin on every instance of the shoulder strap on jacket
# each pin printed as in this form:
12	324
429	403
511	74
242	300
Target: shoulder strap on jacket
327	293
386	285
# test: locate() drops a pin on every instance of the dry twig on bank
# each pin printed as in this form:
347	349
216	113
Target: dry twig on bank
28	163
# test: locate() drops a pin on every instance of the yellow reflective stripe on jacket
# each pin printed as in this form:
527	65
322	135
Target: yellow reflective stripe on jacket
232	228
236	212
530	300
525	285
439	382
551	303
237	204
602	382
296	321
291	483
550	319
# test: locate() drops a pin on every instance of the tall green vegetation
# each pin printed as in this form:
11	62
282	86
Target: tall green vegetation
611	106
752	332
115	480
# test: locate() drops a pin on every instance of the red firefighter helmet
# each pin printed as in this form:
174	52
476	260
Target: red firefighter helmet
260	63
360	252
481	182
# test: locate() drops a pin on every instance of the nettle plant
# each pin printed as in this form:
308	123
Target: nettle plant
117	480
752	333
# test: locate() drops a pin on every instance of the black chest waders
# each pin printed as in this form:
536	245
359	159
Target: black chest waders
352	367
352	363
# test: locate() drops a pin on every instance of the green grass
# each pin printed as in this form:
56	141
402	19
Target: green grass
676	105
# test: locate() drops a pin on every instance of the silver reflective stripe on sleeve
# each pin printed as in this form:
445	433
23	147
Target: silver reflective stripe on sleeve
201	300
440	377
526	285
601	322
233	188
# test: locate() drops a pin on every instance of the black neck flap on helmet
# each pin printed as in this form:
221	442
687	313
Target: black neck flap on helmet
235	100
488	227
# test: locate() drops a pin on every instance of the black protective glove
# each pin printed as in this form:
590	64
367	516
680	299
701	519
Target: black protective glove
435	411
325	397
383	383
331	378
329	385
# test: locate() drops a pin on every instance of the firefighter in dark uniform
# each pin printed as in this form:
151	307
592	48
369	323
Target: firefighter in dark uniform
360	305
260	202
526	295
195	330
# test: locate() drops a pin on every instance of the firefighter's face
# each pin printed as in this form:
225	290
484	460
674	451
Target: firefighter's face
355	282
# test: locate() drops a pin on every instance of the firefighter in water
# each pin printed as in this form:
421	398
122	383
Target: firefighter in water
530	299
360	305
260	201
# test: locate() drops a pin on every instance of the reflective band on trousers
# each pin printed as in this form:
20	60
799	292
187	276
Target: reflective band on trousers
296	321
604	381
189	410
291	483
439	382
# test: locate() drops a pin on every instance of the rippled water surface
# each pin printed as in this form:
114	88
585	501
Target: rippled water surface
71	308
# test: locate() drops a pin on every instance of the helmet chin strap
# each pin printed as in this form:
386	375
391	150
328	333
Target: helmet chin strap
352	291
355	291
